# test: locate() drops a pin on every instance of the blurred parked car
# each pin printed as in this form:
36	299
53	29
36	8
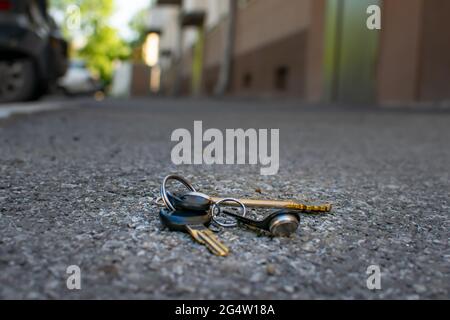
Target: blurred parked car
78	80
33	54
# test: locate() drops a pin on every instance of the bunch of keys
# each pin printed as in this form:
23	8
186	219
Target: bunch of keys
193	211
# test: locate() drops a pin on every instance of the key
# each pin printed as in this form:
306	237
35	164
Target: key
195	223
195	201
281	223
201	202
281	204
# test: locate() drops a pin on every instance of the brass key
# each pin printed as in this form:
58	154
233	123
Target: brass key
198	201
278	204
206	237
194	223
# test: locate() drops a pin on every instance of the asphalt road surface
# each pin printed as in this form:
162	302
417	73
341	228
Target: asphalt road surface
77	187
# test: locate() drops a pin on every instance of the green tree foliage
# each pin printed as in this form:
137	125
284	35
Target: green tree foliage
102	49
103	45
138	25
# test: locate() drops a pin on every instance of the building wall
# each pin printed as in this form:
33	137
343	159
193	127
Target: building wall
414	60
398	61
140	80
351	51
315	52
262	22
435	51
210	79
190	34
217	10
213	54
279	48
168	79
169	29
186	72
270	47
214	44
276	68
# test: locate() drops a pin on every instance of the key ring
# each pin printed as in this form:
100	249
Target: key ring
215	210
163	190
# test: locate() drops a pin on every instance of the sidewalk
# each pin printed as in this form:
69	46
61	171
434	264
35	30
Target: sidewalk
77	185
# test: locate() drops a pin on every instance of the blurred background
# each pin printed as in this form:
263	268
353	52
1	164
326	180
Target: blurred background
314	50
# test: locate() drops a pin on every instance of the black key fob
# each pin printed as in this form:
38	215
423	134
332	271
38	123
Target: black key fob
281	223
191	201
179	219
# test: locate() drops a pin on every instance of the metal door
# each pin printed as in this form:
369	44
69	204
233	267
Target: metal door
351	51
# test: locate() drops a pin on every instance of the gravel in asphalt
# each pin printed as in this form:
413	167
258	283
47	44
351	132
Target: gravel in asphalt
77	188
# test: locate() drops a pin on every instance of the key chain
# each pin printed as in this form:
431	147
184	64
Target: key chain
194	200
281	223
196	224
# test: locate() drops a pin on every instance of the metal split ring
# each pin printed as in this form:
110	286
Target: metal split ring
215	210
163	190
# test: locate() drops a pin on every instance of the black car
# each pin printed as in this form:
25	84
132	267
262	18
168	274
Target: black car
33	54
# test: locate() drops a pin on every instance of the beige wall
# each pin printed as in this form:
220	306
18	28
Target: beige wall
217	9
261	72
140	82
398	64
435	51
186	63
413	59
315	52
190	34
264	21
169	28
270	35
214	44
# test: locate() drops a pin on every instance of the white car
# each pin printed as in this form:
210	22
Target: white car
78	80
